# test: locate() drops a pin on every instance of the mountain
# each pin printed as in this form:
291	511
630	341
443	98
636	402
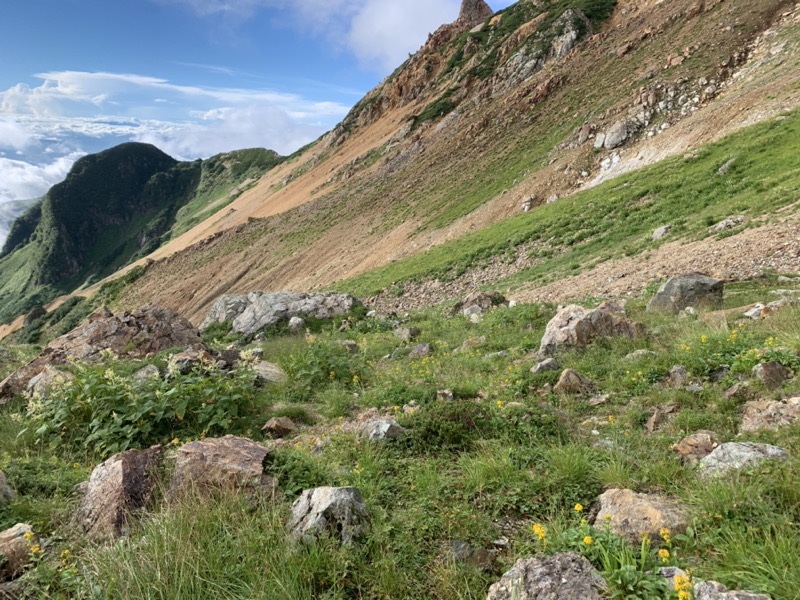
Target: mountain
114	207
9	212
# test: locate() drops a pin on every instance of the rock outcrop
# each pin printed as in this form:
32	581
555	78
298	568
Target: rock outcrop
134	334
15	547
472	13
383	429
759	415
575	326
118	488
566	576
632	514
684	291
733	456
257	310
340	512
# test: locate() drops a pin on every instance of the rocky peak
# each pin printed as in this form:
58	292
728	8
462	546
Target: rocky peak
474	12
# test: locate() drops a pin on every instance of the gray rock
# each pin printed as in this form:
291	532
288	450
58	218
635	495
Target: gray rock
12	590
296	324
575	326
678	376
616	136
16	550
734	456
549	364
632	514
599	141
760	415
219	464
383	429
687	290
661	232
6	493
470	344
477	303
696	446
279	427
727	224
268	373
755	312
117	489
712	590
565	576
257	310
495	355
772	374
340	512
40	384
407	334
146	374
421	351
479	558
638	355
350	345
572	382
445	395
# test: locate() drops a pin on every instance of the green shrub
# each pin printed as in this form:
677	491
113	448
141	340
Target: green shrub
447	426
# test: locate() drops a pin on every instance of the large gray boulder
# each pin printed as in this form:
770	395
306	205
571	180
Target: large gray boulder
575	326
734	456
566	576
380	429
133	335
616	135
632	514
759	415
117	489
684	291
15	546
338	511
252	312
229	463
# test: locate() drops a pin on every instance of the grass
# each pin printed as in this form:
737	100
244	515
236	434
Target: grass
505	454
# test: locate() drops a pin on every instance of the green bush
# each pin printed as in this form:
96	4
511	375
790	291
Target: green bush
443	426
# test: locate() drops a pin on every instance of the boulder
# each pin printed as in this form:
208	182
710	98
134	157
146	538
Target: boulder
6	493
572	382
575	326
565	576
338	511
760	415
407	334
421	351
549	364
296	324
772	374
616	136
40	384
473	12
279	427
661	232
479	558
713	590
133	335
268	373
482	301
118	488
186	362
383	429
633	514
146	374
638	355
696	446
16	548
678	377
683	291
734	456
222	464
250	313
350	345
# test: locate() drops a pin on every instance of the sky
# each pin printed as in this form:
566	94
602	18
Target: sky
193	77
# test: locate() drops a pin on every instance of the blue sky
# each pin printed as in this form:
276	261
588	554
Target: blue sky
194	77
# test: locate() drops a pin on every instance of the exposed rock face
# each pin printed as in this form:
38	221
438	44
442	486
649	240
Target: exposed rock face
130	334
383	429
41	383
548	364
759	415
473	12
566	576
697	445
575	326
117	488
6	493
16	549
632	513
772	374
338	511
687	290
738	455
228	463
257	310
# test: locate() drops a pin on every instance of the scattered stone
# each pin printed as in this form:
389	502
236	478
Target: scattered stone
117	489
445	395
565	576
572	382
632	514
575	326
677	377
726	224
6	493
638	355
549	364
268	373
350	345
146	374
297	324
228	463
772	374
421	351
694	387
696	446
470	344
734	456
250	313
16	550
479	558
713	590
145	331
383	429
338	511
599	141
494	355
760	415
659	417
687	290
476	303
599	399
40	384
279	427
661	232
407	334
527	204
616	136
726	167
185	362
755	312
475	319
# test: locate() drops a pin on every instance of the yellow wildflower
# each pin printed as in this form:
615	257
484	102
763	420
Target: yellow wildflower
356	379
175	441
612	419
607	517
663	554
703	339
28	535
539	530
331	375
579	507
65	555
499	404
36	550
588	540
664	533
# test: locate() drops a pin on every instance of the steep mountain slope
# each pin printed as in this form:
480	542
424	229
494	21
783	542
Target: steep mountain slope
396	177
10	212
114	207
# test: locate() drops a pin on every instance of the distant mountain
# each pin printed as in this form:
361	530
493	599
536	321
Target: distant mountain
9	212
114	207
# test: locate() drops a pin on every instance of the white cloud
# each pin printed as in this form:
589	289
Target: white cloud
13	136
20	180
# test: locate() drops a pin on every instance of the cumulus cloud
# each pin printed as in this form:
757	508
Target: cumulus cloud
13	136
20	180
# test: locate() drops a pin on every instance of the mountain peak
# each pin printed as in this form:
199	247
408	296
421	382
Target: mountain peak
474	12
